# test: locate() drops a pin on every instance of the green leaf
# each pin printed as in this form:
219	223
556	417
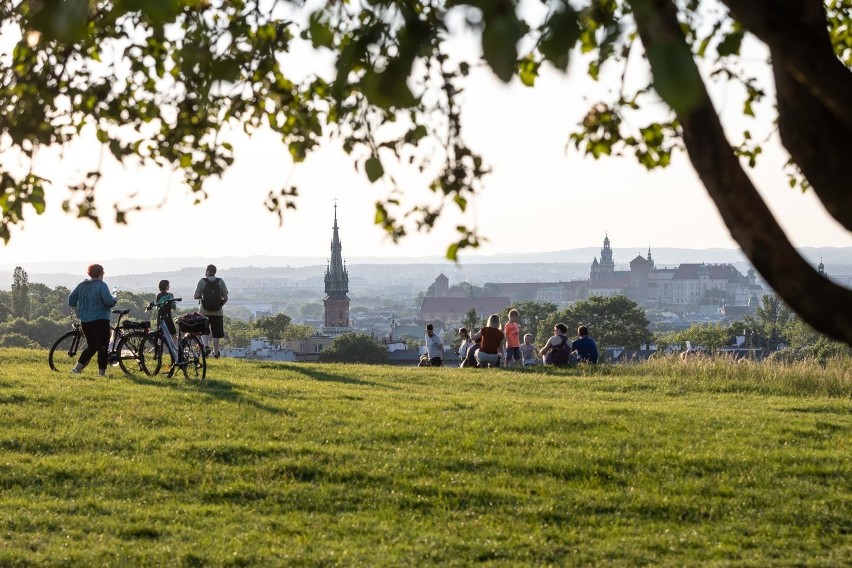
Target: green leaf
158	11
561	33
528	71
319	32
499	45
225	70
453	251
676	77
731	44
64	21
374	169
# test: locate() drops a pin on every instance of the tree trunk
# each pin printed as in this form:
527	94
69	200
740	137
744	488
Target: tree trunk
814	92
818	143
821	303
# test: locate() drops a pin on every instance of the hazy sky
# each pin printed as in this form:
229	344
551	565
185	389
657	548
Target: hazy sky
541	196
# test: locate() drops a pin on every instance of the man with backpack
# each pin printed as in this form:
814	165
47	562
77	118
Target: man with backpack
557	350
212	295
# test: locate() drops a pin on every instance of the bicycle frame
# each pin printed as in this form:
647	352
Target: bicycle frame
163	330
119	338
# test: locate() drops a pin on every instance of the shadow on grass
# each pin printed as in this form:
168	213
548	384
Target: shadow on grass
324	376
222	390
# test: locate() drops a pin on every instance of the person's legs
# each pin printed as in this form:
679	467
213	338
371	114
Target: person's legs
487	359
97	341
513	356
217	330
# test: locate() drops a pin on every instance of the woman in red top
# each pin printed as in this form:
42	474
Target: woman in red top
488	354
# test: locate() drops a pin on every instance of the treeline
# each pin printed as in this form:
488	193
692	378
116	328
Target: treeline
617	321
35	315
612	321
774	328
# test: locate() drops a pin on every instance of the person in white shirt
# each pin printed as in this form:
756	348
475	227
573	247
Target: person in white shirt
434	347
466	342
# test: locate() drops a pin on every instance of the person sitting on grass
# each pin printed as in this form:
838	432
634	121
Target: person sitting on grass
492	337
557	350
528	351
466	342
585	346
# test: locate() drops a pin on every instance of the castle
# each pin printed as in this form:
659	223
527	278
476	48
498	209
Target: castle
684	288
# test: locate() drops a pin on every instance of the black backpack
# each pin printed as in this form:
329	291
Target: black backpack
211	296
560	354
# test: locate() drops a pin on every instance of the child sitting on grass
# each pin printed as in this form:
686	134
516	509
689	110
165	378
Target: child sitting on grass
528	351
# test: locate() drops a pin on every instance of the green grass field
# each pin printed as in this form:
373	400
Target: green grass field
266	464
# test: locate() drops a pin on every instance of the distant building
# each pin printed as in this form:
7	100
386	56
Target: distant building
307	350
687	287
336	301
453	310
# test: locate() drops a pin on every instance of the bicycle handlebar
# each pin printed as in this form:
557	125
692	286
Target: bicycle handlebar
162	303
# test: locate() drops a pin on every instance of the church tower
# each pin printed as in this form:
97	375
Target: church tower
336	287
607	265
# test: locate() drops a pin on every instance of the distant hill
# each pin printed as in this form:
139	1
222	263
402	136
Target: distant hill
569	264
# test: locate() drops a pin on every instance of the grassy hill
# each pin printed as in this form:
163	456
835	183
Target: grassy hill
333	465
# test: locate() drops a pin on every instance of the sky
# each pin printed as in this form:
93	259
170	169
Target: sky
542	195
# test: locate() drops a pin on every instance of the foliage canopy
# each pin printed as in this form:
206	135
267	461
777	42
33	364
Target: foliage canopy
163	82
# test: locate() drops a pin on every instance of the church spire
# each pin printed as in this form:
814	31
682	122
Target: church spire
336	275
336	301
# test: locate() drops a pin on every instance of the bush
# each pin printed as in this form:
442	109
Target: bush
17	340
354	348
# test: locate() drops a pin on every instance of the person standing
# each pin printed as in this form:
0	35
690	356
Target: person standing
585	346
434	347
491	336
212	295
513	339
165	296
91	300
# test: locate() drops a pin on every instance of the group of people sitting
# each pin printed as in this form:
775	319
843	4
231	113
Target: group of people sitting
493	346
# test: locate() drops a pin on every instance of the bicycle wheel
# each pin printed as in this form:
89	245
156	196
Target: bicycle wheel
128	352
151	354
194	362
66	350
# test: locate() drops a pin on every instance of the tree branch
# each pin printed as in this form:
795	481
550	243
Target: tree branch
824	305
797	35
816	142
813	91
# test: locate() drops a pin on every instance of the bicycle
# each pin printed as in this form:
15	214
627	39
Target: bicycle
123	346
187	356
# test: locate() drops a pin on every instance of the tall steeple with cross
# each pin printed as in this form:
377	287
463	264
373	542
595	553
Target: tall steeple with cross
336	285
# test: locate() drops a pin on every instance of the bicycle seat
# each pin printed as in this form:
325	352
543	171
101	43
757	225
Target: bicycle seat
121	312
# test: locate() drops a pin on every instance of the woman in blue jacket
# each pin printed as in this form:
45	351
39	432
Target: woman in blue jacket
92	301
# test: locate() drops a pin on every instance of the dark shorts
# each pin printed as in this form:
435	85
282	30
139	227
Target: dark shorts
217	326
435	361
513	354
